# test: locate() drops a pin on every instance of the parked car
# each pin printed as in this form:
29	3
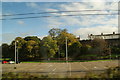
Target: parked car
11	62
4	62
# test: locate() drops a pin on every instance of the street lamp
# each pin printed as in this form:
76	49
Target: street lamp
15	55
66	50
69	65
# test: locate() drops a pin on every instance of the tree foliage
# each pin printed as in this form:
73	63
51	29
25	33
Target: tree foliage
49	47
54	46
100	47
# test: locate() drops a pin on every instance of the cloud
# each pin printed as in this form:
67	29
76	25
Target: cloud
21	22
53	23
57	0
83	32
86	21
94	24
32	5
41	37
8	37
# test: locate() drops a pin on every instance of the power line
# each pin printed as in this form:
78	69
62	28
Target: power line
54	16
55	12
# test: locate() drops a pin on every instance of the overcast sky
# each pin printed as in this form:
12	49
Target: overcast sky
78	25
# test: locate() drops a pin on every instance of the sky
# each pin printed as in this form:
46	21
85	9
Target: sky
77	25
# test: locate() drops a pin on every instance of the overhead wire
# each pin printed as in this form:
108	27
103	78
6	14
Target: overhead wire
53	12
57	15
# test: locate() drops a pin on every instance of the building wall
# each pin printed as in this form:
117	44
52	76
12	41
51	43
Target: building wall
104	36
111	39
111	42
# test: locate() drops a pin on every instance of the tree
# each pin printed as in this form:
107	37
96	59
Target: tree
19	44
62	38
61	41
48	47
34	38
54	32
5	51
100	47
32	48
74	50
86	49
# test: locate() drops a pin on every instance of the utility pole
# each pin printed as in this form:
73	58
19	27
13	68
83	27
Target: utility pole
68	64
66	51
15	56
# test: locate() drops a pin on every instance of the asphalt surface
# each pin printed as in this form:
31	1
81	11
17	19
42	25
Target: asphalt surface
55	70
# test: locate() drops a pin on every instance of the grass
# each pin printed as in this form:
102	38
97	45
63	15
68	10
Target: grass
53	61
5	58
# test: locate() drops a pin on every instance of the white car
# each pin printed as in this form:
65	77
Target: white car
11	62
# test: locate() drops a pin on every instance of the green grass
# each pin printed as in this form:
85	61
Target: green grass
5	58
63	61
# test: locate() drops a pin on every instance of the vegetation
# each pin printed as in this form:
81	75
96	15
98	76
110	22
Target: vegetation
52	47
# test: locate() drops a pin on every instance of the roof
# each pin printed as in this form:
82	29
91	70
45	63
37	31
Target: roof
105	34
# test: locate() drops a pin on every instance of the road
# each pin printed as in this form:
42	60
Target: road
72	69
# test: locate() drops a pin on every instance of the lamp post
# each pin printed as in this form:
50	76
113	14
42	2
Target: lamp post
16	55
68	64
66	50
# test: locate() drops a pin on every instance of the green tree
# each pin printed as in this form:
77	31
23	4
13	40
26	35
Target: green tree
54	32
5	51
34	38
74	50
61	41
33	49
86	49
48	47
19	47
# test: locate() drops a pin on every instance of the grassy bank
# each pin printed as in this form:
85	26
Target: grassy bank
54	61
